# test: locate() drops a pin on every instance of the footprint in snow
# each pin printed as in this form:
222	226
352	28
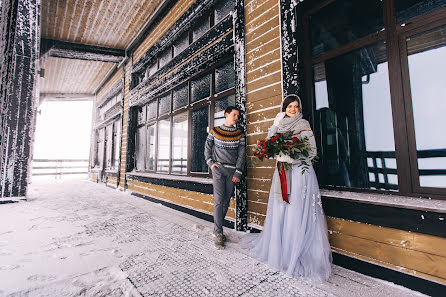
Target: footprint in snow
41	278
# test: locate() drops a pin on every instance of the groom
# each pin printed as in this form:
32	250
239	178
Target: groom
224	152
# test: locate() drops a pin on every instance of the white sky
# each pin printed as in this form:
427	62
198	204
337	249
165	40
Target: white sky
63	130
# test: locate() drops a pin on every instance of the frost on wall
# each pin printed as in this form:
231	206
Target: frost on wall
289	47
241	188
20	34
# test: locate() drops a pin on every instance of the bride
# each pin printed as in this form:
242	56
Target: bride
294	238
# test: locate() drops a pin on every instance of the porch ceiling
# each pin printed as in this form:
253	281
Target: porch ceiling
111	24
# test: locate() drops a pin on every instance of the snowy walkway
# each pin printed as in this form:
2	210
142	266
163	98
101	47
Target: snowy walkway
78	238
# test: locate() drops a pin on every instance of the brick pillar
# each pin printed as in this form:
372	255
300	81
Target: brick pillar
19	51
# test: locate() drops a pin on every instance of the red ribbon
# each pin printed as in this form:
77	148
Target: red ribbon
283	183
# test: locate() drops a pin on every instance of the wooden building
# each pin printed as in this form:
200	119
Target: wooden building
370	74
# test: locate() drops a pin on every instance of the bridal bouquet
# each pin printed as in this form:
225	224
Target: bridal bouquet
284	144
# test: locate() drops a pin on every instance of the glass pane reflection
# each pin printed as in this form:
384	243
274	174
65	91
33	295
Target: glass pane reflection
163	145
199	133
200	87
179	143
224	77
359	19
140	139
354	128
408	9
427	70
219	109
150	153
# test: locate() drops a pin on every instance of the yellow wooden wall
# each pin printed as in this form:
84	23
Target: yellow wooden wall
413	253
117	76
264	94
190	199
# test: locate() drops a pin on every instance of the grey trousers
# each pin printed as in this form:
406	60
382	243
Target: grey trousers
223	188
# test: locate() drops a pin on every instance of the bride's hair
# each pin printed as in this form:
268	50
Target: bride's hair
291	98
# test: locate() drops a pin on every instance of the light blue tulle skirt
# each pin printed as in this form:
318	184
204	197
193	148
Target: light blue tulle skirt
294	238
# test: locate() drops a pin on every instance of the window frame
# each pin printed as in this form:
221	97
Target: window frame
205	102
394	35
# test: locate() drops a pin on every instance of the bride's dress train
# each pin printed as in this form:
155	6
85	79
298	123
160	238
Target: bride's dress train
294	238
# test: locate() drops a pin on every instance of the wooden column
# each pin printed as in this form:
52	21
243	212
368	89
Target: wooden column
241	189
20	35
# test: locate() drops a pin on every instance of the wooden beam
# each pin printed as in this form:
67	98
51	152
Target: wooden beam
66	97
70	50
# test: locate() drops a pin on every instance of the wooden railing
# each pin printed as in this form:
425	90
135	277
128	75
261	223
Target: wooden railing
385	171
59	167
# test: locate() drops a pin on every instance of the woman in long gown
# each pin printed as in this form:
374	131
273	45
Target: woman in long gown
294	238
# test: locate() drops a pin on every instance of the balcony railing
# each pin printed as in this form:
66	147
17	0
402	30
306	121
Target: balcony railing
386	171
59	167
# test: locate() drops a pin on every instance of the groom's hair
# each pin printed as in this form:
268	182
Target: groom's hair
229	109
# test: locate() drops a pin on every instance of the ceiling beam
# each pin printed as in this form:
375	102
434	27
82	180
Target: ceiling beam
66	97
70	50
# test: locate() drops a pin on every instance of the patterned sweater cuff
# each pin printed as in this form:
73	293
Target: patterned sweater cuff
238	173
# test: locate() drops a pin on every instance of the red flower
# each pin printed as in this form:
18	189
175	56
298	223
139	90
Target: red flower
295	139
274	138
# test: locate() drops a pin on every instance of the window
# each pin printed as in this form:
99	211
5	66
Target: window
222	9
116	143
200	87
179	143
165	57
181	118
181	43
163	145
378	118
200	28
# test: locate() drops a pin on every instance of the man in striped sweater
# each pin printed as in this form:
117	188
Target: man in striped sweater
225	152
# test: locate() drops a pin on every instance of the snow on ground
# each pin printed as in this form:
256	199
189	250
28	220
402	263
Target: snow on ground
78	238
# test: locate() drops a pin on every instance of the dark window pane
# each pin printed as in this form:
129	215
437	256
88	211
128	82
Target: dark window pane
427	70
179	143
165	57
201	28
199	133
150	149
109	143
353	120
151	69
96	148
180	97
163	146
408	9
116	143
200	87
141	114
101	147
151	109
164	104
140	147
344	21
224	77
219	109
181	43
222	9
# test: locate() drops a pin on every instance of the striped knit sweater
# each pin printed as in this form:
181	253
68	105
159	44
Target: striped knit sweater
226	145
